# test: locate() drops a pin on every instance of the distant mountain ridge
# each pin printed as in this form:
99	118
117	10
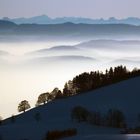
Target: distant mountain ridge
68	29
44	19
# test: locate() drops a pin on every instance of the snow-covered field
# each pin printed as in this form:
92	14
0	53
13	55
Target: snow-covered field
55	115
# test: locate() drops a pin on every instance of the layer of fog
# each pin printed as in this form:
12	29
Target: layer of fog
30	68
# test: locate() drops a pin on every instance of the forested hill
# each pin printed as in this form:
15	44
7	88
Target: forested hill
56	115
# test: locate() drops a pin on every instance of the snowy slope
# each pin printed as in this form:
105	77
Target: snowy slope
56	114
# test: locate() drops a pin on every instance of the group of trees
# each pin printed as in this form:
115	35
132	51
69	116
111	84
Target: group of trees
80	114
46	97
113	118
84	82
59	134
42	99
95	79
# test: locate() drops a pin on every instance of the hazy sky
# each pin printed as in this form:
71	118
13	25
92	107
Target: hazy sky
59	8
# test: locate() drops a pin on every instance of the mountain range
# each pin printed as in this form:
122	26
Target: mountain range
69	29
44	19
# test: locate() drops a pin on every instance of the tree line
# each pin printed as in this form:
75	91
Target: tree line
96	79
112	118
84	82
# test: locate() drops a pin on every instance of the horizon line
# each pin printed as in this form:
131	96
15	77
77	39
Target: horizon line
45	15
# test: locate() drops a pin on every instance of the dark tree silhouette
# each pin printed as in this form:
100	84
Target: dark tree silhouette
56	93
80	114
89	81
65	90
95	79
60	134
115	118
23	106
69	88
43	98
0	120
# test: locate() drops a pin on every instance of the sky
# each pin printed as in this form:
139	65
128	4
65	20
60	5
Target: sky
67	8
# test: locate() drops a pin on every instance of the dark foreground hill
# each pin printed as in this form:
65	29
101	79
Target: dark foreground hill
57	114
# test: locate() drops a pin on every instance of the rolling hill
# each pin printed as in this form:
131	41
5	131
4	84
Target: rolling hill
56	114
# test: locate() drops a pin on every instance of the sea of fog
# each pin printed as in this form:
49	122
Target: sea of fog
28	68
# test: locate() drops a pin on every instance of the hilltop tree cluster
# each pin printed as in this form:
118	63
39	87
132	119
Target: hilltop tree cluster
95	79
46	97
43	98
84	82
